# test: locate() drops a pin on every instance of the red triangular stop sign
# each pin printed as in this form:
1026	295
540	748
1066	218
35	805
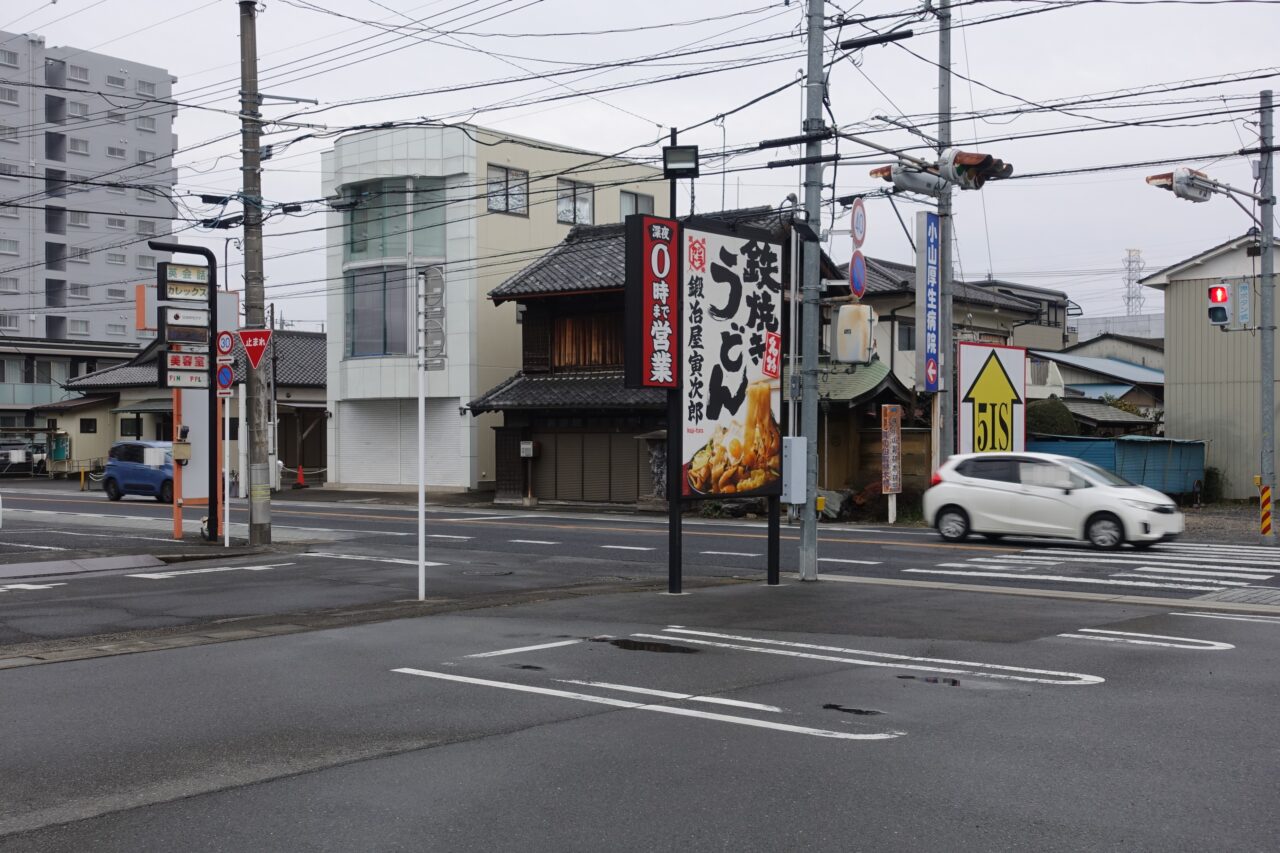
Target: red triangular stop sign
255	343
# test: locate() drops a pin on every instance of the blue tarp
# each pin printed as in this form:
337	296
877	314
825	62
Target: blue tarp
1172	466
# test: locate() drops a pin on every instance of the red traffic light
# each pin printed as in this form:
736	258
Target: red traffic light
1218	294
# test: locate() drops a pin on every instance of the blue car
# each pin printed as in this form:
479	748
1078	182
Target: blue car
129	474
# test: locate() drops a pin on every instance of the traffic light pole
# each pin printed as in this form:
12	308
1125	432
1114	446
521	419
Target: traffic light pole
1267	400
944	413
254	288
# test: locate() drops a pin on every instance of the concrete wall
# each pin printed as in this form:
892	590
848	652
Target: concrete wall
1123	350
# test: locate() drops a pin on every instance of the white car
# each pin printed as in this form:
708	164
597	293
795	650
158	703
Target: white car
1040	494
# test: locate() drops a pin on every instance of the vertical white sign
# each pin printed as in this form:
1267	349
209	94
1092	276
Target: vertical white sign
993	395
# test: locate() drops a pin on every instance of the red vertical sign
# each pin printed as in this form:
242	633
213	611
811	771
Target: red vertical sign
653	302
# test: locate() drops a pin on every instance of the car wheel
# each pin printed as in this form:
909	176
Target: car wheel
112	488
166	492
993	537
953	524
1105	532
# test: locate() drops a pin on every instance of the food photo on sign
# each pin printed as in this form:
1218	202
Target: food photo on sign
732	337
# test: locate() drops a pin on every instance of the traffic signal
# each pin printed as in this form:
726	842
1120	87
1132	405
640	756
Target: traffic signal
969	170
1219	304
911	179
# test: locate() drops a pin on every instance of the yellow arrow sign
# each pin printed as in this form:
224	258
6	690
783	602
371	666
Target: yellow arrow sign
993	397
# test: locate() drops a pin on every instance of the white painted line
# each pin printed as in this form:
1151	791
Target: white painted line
1015	558
1207	573
907	661
533	542
446	536
37	547
667	694
160	576
8	587
1162	577
1065	579
338	530
660	709
485	518
366	559
1190	561
1270	620
525	649
850	562
728	554
626	548
1211	546
1148	640
113	534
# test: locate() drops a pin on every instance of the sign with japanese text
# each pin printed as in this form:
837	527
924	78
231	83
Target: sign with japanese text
255	343
993	394
187	361
929	361
732	284
181	282
890	449
652	302
187	273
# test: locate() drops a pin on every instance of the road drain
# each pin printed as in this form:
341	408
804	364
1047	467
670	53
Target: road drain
639	646
932	679
862	712
524	666
486	573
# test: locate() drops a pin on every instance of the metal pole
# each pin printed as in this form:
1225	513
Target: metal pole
254	290
1268	324
421	309
810	322
944	409
225	402
675	430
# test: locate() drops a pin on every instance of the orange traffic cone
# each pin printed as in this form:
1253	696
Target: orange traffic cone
301	482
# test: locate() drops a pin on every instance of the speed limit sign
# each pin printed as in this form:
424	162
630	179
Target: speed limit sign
225	344
859	226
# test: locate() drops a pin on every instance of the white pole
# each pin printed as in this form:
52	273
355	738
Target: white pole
893	507
422	436
226	471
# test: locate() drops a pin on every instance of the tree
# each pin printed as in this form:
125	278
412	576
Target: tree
1050	417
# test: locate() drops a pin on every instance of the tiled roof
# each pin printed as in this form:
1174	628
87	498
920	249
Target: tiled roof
851	384
1149	343
75	403
593	257
1125	371
893	277
299	355
1098	390
1100	413
584	391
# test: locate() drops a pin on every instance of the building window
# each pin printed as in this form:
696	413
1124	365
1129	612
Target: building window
8	134
8	95
115	329
379	307
427	230
115	116
78	255
79	218
113	80
9	322
508	190
906	337
78	73
76	183
115	190
78	146
147	227
636	203
116	152
131	426
147	158
146	87
575	202
8	284
116	223
9	58
75	109
116	292
8	247
88	426
377	225
146	262
145	194
147	123
8	171
78	291
117	258
78	327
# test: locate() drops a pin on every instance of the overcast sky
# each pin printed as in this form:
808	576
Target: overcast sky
1069	232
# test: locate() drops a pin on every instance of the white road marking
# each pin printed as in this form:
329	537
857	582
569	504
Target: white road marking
446	536
37	547
1190	561
9	587
1148	640
626	548
667	694
1270	620
336	530
1206	573
728	554
525	649
1065	579
850	562
660	709
160	576
533	542
1162	577
484	518
907	661
113	534
365	559
1211	546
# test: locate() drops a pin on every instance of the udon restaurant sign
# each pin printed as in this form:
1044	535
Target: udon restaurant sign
731	316
652	303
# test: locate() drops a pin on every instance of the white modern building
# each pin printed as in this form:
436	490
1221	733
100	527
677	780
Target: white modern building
460	209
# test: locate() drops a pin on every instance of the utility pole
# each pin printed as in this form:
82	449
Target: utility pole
254	289
812	285
1266	178
944	414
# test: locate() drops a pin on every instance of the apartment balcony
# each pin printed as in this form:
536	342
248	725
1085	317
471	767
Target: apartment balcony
27	394
55	183
55	110
55	147
55	257
55	220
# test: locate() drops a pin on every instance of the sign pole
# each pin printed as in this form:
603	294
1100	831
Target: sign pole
420	302
226	471
675	430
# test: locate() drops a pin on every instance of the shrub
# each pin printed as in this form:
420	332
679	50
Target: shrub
1050	417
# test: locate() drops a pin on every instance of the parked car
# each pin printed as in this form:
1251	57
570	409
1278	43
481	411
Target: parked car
1040	494
128	471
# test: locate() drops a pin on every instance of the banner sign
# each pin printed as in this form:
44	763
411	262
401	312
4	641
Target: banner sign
929	364
732	340
652	303
993	394
890	449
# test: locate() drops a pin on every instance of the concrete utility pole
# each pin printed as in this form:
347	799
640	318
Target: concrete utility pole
811	277
254	289
944	412
1266	182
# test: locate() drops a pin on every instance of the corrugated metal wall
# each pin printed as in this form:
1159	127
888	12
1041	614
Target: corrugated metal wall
378	442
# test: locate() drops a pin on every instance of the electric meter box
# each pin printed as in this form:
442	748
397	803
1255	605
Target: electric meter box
794	457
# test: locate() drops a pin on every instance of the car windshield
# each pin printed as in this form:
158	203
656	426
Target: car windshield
1093	471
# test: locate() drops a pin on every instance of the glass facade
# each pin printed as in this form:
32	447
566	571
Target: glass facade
379	311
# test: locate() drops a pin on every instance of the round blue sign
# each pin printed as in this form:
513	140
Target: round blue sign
225	376
858	274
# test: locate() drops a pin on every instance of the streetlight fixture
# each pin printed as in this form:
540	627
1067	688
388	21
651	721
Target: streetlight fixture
679	161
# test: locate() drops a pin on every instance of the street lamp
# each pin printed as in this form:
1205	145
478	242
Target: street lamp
227	241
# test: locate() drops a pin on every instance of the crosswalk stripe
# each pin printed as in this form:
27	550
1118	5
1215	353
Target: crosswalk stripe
1182	563
1180	579
1069	579
1204	572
